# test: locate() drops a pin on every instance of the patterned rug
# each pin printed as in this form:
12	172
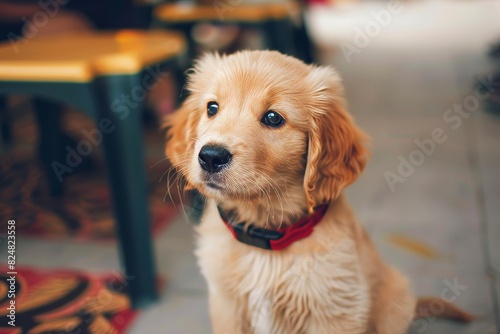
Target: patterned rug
85	211
65	302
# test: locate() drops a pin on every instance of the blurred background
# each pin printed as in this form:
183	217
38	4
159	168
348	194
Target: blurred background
103	236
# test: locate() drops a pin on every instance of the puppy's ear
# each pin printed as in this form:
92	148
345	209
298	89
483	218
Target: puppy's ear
336	152
181	135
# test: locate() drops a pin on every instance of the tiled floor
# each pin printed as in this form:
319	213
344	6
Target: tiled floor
440	226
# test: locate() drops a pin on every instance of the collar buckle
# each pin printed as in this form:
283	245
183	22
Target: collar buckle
255	236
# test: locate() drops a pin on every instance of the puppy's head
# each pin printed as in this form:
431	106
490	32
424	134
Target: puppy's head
257	122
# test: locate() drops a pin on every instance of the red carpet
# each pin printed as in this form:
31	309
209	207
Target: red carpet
66	301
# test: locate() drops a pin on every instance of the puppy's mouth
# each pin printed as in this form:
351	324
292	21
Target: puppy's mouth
213	185
220	191
213	181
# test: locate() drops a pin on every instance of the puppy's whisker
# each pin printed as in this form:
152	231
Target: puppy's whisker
172	168
182	160
178	180
186	218
279	193
266	193
167	171
178	175
182	89
156	163
294	213
169	189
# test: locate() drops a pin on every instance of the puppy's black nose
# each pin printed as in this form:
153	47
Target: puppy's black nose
213	158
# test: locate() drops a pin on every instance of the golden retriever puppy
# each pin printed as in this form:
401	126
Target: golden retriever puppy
267	140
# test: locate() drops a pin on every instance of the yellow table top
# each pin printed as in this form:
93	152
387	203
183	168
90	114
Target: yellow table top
83	56
182	12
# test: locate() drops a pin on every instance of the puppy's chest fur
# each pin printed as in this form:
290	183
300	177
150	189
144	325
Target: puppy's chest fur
314	286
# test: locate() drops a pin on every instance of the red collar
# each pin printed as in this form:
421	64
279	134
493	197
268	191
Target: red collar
272	239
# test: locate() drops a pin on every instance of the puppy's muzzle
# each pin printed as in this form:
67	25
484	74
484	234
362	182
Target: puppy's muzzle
213	158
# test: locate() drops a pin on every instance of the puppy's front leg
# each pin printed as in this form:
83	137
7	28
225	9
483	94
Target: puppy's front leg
225	316
395	306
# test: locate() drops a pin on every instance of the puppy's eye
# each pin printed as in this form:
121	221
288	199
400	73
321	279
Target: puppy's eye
273	119
212	108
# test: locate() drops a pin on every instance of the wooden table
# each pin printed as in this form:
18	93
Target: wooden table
95	72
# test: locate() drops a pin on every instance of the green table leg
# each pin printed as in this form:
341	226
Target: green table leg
120	124
5	126
50	141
